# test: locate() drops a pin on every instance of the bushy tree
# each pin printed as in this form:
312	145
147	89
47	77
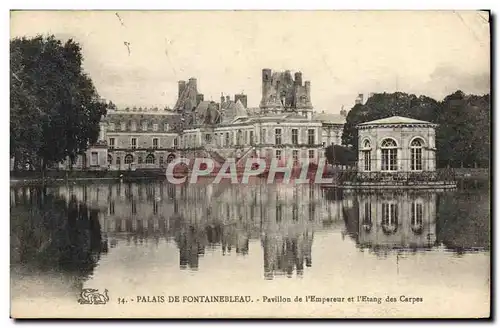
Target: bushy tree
55	109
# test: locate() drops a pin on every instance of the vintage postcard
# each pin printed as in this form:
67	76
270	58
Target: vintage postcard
250	164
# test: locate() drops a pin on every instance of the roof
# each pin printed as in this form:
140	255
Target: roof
395	120
330	118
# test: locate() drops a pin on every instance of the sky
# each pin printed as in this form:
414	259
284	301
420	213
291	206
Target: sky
342	53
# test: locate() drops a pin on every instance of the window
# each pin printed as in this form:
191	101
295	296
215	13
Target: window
133	126
139	160
251	137
129	159
155	207
278	154
112	207
118	160
277	136
295	136
367	217
110	159
111	126
144	126
161	160
155	143
310	136
416	155
312	210
416	216
367	155
246	137
134	143
165	127
150	159
226	142
279	212
264	136
155	127
239	137
295	212
123	126
389	218
311	153
208	137
389	155
94	159
295	155
176	142
134	207
111	143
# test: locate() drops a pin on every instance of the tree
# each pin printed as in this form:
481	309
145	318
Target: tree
338	155
384	105
463	135
55	109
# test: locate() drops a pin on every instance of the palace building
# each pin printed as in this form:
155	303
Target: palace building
285	126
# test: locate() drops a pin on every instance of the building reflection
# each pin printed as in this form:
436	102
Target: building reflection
208	218
392	220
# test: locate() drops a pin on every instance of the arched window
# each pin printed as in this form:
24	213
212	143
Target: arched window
367	155
129	159
150	159
110	159
170	158
118	160
416	154
389	155
389	218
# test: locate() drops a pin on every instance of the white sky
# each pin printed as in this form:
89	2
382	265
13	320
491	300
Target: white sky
342	53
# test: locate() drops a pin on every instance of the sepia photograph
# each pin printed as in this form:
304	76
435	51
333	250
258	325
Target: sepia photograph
199	164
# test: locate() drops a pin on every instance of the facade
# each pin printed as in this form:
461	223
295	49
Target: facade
280	136
396	144
284	127
131	139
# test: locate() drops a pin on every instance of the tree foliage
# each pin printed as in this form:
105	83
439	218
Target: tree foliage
339	155
463	133
54	108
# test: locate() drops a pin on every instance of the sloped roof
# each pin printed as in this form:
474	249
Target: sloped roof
396	120
330	118
234	110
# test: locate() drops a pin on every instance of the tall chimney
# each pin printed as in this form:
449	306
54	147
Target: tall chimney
182	86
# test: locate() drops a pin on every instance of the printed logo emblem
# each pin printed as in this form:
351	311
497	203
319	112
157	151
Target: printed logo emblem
92	296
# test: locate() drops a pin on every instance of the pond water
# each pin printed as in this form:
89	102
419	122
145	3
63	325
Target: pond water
294	250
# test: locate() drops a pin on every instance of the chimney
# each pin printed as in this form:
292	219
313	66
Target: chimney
199	98
182	86
221	98
194	84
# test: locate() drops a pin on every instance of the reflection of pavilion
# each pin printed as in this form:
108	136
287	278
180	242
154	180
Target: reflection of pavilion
395	220
200	218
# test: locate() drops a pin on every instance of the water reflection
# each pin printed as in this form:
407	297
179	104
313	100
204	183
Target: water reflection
50	233
392	220
69	227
